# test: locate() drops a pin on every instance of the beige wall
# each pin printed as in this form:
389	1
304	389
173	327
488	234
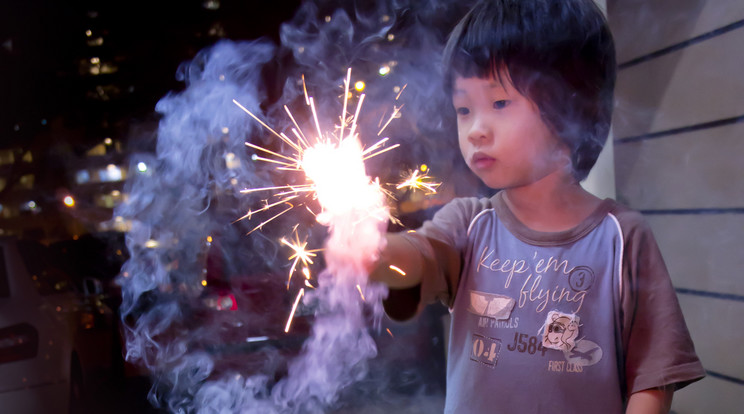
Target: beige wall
601	180
679	158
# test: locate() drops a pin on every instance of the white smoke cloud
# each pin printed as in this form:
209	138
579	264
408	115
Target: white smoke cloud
191	191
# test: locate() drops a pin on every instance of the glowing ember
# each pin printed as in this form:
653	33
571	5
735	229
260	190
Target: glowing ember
397	269
419	182
300	255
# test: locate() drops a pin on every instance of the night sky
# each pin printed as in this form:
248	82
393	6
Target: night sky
43	41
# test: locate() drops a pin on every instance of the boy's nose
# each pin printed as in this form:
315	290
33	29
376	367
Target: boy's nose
479	131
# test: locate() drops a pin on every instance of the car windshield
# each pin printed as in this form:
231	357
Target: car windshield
4	288
46	272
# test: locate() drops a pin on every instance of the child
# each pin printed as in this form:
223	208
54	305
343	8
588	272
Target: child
560	301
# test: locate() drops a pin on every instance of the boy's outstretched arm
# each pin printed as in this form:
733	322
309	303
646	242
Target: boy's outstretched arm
401	254
651	401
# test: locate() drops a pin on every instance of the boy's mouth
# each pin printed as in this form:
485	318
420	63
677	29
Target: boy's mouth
481	160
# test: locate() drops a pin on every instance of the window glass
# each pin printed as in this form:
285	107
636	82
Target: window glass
46	273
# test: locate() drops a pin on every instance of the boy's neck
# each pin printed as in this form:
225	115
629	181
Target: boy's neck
553	204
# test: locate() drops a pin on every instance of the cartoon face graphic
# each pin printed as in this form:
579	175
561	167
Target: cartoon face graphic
560	331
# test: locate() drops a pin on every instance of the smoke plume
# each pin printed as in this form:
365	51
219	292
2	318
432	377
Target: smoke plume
184	206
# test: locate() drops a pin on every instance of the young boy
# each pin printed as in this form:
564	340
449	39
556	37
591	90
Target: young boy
560	301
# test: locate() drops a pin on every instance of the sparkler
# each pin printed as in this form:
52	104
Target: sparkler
415	181
301	254
333	163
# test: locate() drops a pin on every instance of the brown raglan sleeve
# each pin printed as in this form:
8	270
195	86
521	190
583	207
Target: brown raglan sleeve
440	242
657	346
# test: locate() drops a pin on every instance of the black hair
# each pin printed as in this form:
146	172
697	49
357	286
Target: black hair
558	53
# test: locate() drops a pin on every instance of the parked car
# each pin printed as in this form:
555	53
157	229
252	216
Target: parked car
53	337
250	312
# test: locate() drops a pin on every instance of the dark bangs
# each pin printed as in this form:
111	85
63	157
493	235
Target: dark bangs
483	45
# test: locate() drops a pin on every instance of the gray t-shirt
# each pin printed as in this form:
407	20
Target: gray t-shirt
572	321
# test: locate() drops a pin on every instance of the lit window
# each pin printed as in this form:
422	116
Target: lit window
108	68
31	206
82	177
231	161
8	211
3	183
216	30
26	182
211	4
6	157
27	157
104	92
104	200
109	200
97	151
111	173
117	224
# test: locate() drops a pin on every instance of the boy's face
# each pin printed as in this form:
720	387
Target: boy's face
502	137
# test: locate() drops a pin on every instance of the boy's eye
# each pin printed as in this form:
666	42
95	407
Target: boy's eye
501	104
462	111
